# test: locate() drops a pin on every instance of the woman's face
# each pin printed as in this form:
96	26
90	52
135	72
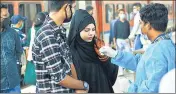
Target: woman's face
88	33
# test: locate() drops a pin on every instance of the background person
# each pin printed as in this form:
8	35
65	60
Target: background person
11	51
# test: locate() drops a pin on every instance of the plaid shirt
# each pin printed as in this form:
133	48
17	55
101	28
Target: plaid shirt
52	58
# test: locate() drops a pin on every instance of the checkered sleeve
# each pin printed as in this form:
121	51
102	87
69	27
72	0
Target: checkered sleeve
53	59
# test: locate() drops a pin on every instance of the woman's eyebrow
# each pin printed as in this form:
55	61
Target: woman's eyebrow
87	28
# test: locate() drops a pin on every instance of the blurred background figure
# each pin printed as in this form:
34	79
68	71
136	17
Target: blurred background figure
89	9
109	13
17	23
171	34
11	51
30	75
136	31
121	32
111	35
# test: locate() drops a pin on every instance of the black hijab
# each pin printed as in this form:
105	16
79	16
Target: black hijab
79	21
81	50
84	55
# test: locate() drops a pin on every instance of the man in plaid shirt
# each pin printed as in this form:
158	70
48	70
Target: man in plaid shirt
52	58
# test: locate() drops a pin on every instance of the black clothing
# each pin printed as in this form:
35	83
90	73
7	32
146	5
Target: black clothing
100	76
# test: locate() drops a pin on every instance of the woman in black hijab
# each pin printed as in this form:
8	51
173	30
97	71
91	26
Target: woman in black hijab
90	66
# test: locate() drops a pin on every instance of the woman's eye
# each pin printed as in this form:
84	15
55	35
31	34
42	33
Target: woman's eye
93	29
86	30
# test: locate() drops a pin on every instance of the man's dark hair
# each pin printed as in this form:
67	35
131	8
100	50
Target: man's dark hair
137	5
155	14
40	18
3	6
56	5
89	8
121	10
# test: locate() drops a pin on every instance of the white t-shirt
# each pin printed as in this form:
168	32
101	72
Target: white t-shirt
136	28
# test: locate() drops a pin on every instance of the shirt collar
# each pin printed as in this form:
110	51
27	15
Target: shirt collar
161	37
54	26
16	29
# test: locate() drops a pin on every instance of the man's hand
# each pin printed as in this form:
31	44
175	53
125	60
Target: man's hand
108	51
27	50
127	40
81	91
74	74
114	46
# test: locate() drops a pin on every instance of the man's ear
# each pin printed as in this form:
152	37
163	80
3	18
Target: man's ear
19	23
148	25
63	9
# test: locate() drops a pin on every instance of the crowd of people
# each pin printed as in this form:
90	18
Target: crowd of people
81	63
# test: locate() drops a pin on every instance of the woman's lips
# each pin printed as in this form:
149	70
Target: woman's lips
90	38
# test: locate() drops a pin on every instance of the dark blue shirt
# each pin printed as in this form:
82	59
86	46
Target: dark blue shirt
121	29
11	51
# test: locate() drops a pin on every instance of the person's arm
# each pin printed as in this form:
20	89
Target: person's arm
115	32
57	69
112	29
18	47
74	74
126	60
111	36
28	38
128	28
114	42
135	27
128	33
121	58
70	82
141	51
